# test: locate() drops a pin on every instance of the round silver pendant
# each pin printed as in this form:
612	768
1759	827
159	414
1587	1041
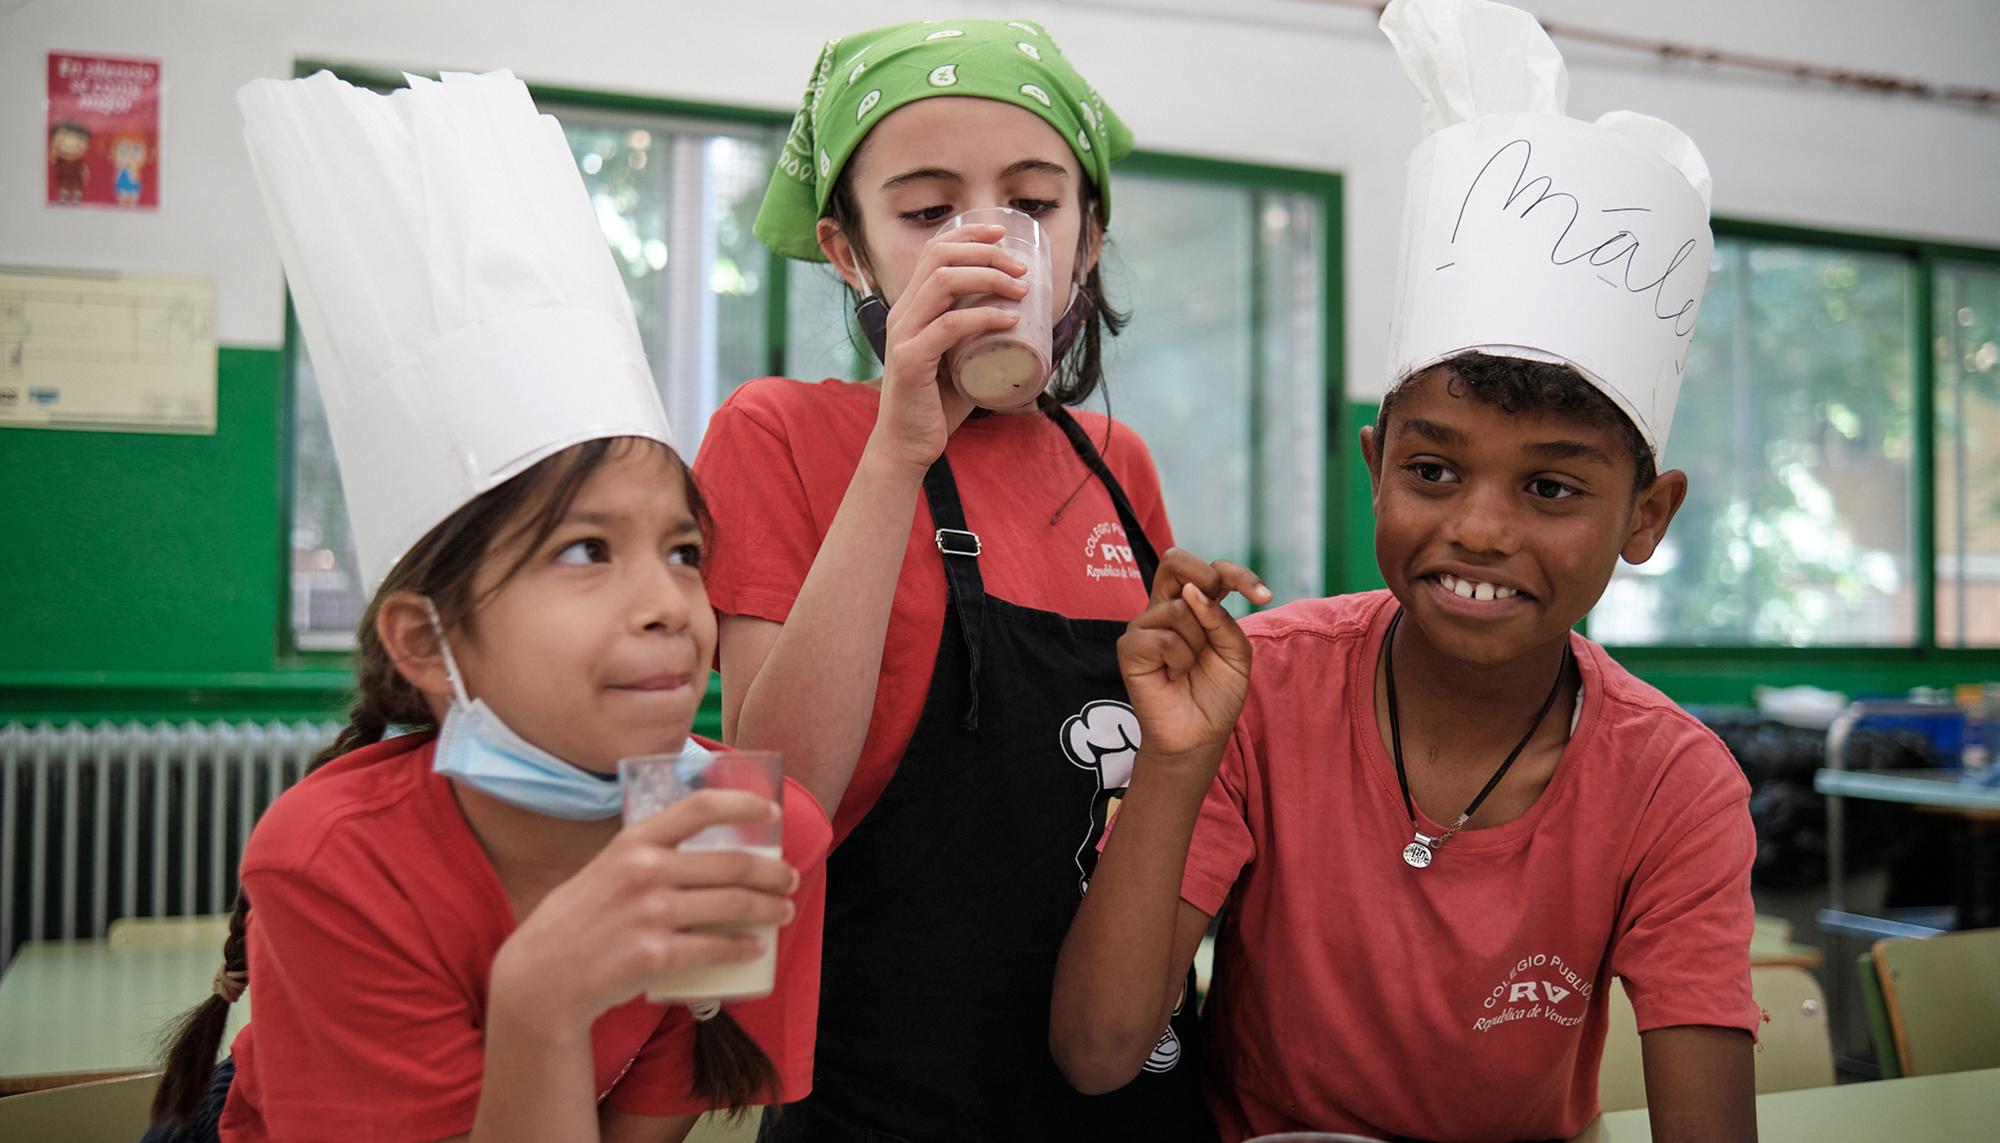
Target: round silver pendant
1417	855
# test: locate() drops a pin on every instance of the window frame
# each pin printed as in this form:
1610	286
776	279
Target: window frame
1325	187
1857	666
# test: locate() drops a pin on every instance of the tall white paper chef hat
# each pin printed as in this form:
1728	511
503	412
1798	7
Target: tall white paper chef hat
1530	234
462	310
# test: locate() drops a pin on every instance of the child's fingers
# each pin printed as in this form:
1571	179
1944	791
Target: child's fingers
702	809
1219	628
683	951
981	233
1207	613
1237	578
932	342
966	246
1179	567
1142	651
707	868
1178	617
706	908
945	288
1179	658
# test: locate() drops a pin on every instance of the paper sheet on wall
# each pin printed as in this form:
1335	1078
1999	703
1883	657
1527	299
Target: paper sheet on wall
83	349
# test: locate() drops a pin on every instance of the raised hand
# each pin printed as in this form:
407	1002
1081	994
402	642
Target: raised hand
1186	663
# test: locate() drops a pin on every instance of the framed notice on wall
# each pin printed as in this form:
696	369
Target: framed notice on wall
103	132
83	349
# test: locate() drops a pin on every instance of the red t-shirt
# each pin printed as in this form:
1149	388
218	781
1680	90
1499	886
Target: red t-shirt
1353	993
776	462
375	916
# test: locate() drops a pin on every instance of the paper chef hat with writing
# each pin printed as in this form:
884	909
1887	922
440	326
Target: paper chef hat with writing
463	312
1530	234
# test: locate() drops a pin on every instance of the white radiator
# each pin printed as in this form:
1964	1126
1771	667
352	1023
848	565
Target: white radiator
131	820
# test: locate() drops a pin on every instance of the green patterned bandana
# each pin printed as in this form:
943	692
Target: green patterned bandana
861	78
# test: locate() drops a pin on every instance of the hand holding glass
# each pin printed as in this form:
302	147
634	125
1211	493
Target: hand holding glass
654	782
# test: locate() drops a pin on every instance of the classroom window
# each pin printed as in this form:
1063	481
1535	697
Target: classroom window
1796	427
1966	333
1222	367
1223	370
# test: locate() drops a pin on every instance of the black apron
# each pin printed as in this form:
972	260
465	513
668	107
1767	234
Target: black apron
948	903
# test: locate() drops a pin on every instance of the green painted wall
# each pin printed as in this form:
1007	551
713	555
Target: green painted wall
144	572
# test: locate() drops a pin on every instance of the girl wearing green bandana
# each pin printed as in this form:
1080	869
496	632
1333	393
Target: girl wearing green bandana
921	602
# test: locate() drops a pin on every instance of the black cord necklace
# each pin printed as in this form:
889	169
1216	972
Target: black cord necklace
1419	853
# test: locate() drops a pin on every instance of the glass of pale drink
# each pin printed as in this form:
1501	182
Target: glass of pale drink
655	781
1007	368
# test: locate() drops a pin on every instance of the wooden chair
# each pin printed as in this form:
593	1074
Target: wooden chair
135	932
1943	998
1621	1078
104	1111
1879	1033
1771	943
1796	1050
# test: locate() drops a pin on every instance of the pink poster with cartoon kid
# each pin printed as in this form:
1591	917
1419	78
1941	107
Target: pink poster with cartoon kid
104	131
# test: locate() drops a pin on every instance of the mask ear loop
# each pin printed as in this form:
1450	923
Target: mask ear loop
872	314
450	663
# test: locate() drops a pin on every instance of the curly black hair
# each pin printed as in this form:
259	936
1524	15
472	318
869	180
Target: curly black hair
1518	385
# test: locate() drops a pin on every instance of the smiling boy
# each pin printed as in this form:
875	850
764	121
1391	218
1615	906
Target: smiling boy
1443	821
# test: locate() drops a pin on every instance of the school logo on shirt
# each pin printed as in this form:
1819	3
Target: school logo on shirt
1103	738
1108	553
1537	987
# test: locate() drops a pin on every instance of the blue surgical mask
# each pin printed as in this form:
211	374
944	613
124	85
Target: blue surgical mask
477	748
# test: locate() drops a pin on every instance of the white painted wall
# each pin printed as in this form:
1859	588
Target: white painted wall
1290	82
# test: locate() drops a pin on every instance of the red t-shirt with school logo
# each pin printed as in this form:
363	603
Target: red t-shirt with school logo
1463	1001
374	920
776	462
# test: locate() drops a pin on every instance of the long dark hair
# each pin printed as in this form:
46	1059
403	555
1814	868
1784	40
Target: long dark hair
1081	371
729	1068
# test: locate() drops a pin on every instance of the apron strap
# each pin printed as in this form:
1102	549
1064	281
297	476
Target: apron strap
959	546
1086	451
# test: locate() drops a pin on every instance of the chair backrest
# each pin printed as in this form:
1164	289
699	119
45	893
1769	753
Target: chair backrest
1879	1032
1796	1049
105	1111
1621	1078
1943	997
133	932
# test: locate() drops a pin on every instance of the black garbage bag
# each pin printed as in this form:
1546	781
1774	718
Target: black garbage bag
1790	816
